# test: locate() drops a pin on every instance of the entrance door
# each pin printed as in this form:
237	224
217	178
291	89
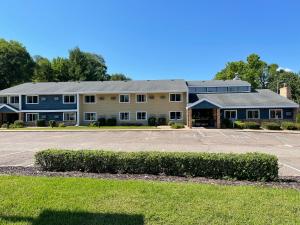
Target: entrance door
11	117
203	118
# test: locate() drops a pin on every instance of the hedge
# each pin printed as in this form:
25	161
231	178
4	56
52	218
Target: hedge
246	125
290	126
271	126
248	166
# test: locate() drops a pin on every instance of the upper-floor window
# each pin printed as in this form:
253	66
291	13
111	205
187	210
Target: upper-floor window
124	98
3	99
212	89
89	99
69	99
253	114
275	113
175	97
32	99
14	99
230	114
141	98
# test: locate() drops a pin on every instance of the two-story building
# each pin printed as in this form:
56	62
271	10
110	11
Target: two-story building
195	103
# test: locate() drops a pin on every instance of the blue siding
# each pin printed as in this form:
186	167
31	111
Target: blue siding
204	105
58	116
48	102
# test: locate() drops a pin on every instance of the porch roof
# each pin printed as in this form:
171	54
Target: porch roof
7	109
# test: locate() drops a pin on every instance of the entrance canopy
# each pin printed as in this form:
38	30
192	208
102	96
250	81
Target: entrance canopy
7	109
203	104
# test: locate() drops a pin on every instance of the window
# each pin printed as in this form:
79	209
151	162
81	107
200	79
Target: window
212	89
124	99
141	98
32	99
3	100
69	116
175	115
175	97
275	113
32	117
253	114
69	99
124	116
14	99
90	99
230	114
141	115
222	89
90	116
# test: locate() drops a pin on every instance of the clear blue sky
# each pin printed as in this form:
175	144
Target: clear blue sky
158	39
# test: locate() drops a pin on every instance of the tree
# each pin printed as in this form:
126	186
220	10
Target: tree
60	67
43	70
118	76
16	64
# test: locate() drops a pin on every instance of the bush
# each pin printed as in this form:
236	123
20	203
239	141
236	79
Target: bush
52	123
18	124
152	121
61	125
239	124
171	123
246	125
249	166
111	122
162	121
41	123
5	125
289	126
271	126
177	126
226	123
298	118
101	122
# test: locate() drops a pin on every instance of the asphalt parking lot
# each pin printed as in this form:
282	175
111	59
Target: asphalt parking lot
18	148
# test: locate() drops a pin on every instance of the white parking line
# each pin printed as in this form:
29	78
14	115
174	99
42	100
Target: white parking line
291	167
14	153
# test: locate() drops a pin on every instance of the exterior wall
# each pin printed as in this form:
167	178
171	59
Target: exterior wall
48	102
47	116
157	105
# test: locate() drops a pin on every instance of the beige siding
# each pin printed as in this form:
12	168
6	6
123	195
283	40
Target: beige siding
108	106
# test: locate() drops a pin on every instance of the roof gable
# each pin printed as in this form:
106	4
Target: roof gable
7	109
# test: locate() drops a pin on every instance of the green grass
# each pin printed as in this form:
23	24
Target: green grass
82	128
85	201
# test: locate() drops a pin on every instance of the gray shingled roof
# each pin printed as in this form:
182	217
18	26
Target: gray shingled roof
263	98
217	83
98	87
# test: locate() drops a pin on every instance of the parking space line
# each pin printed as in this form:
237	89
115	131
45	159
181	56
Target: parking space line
13	153
291	167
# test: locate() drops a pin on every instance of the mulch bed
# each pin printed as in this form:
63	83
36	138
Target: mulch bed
283	182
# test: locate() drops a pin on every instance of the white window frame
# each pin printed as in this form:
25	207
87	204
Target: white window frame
6	99
124	112
175	94
275	114
231	110
136	98
84	102
69	99
124	102
249	110
64	116
136	115
14	96
32	114
84	118
181	117
38	101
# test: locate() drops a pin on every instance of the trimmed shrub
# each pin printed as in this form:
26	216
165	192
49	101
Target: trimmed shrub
239	124
101	122
177	126
41	123
248	166
61	125
162	121
226	123
271	126
152	121
246	125
18	124
111	122
289	126
52	123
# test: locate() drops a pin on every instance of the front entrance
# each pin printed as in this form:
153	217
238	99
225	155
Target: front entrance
8	117
203	118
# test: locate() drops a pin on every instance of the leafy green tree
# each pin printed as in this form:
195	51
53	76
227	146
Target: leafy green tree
118	76
60	67
16	64
43	70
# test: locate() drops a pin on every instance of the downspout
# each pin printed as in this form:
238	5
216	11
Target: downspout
78	110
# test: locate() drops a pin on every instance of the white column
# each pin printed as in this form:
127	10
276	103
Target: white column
78	110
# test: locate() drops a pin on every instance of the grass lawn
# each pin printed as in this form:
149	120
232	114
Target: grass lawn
85	201
82	128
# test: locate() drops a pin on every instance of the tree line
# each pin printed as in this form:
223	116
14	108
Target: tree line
18	66
260	74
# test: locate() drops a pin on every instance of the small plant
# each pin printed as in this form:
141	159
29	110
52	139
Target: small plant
18	124
271	126
111	122
93	124
41	123
5	125
177	126
289	126
162	121
171	123
52	123
152	121
61	125
101	122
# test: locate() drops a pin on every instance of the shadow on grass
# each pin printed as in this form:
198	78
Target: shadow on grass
50	217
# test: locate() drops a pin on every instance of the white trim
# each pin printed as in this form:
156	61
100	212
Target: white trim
63	110
78	110
84	102
275	118
69	102
7	106
202	100
124	102
258	107
20	102
258	110
89	120
9	99
26	98
146	98
141	119
230	110
176	119
32	114
124	112
175	93
69	120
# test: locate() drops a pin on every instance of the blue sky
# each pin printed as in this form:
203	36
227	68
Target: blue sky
158	39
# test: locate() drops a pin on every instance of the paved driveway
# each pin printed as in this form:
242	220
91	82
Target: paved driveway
18	148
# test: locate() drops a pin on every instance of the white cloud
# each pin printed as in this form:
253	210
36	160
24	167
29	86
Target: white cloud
285	69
